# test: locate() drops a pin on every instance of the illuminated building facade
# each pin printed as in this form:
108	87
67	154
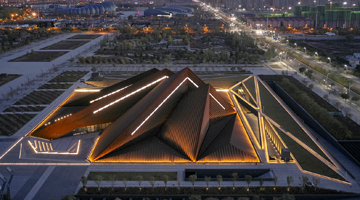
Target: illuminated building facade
156	116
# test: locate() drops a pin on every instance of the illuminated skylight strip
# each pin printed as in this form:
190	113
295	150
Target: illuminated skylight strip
54	152
217	101
116	91
142	123
126	96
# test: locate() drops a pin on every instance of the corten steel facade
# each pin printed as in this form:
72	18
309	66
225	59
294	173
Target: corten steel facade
156	116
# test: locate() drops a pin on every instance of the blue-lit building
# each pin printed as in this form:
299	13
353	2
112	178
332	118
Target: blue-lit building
169	11
93	9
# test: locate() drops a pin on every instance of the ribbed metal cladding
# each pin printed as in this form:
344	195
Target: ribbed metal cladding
86	117
149	150
140	123
182	129
178	119
229	153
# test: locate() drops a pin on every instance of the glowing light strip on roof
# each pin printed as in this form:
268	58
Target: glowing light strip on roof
128	95
217	101
116	91
54	152
147	118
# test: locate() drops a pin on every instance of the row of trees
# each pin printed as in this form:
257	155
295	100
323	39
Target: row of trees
192	179
13	38
327	120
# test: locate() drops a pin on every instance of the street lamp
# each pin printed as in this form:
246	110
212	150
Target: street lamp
295	45
329	60
327	76
305	49
346	67
350	87
316	53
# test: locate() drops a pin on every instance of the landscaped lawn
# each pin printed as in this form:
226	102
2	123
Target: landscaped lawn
250	85
39	56
306	160
85	36
5	78
69	76
132	175
65	45
275	111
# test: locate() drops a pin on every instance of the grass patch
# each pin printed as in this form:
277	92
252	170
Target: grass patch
5	78
39	56
85	36
55	86
69	76
65	45
306	160
250	85
275	111
10	123
39	97
132	175
24	109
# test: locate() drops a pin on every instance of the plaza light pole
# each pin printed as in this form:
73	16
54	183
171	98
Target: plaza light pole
349	88
295	45
327	76
329	60
305	49
316	54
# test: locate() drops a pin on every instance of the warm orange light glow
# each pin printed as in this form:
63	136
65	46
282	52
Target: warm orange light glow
128	95
147	118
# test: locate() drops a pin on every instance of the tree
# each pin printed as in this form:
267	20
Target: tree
256	197
98	180
326	97
112	179
207	180
287	197
304	180
248	180
130	17
311	86
192	179
345	96
275	180
84	181
219	179
349	38
289	180
139	179
152	181
93	69
234	178
125	182
302	69
165	179
69	197
179	182
261	182
355	99
315	181
186	41
195	197
170	40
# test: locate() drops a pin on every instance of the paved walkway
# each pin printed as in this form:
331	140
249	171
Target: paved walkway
39	183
